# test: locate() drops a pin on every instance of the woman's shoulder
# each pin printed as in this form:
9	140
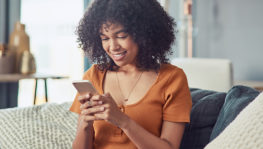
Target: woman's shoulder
168	69
170	74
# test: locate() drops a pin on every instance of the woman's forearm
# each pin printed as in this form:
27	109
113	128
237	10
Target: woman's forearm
142	138
84	136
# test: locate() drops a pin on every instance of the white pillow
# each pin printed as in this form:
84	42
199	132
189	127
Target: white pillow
245	132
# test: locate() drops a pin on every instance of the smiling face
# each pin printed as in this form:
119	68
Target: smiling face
118	44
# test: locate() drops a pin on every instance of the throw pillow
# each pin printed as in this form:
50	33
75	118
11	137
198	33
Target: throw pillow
236	99
205	110
245	132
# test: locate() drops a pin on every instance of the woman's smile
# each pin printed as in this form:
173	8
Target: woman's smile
118	56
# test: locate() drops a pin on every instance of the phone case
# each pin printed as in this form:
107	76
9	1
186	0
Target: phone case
84	87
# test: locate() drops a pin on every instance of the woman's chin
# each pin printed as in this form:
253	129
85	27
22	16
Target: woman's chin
120	64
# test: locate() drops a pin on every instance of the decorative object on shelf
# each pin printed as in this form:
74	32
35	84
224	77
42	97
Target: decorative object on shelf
2	50
27	63
7	60
19	44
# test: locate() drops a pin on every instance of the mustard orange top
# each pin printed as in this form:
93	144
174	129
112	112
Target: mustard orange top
168	99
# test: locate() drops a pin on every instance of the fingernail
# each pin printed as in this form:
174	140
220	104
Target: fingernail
87	96
100	102
102	108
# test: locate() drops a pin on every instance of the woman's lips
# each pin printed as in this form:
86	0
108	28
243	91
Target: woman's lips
118	56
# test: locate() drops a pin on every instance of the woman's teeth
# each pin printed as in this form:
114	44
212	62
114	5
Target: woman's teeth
119	55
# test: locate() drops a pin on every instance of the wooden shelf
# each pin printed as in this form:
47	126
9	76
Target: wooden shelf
5	78
17	77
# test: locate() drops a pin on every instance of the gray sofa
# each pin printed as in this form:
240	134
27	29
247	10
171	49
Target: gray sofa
212	112
54	126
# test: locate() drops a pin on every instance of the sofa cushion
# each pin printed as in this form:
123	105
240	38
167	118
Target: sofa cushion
245	132
205	110
45	126
236	99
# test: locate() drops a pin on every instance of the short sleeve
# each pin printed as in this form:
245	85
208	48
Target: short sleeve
75	107
178	102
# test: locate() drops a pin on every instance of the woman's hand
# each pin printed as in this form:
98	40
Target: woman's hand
88	108
106	109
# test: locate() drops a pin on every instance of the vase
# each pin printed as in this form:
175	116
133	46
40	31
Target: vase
18	43
27	63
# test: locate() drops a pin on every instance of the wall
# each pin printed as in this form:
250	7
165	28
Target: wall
2	21
9	14
175	10
231	29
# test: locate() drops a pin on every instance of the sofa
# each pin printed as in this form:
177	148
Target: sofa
212	112
52	125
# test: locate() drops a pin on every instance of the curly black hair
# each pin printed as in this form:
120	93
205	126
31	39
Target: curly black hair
145	20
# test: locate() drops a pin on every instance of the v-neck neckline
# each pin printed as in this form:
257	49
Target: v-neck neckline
143	97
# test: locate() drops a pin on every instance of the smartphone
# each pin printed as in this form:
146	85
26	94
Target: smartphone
84	86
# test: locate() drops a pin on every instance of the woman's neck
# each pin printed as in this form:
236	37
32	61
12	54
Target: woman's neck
128	69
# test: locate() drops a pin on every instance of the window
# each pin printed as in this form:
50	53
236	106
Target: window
51	26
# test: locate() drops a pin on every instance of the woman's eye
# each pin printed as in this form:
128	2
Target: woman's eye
122	37
104	39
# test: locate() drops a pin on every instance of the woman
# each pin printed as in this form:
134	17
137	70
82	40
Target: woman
143	101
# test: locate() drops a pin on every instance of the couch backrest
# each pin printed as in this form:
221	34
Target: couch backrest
207	73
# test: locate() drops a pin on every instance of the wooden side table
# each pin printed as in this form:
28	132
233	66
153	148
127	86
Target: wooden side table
36	77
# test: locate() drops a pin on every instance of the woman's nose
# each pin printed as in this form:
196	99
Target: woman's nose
114	45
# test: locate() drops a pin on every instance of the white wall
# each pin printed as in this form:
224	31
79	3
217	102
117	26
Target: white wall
231	29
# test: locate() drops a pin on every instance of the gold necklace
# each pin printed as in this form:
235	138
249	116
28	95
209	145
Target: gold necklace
126	99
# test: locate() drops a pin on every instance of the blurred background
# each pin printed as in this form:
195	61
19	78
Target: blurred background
221	29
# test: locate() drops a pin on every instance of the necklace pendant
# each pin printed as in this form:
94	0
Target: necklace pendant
126	99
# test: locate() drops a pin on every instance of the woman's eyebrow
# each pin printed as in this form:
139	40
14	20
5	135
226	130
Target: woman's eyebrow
121	31
117	32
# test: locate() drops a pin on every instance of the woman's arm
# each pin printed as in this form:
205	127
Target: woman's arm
170	138
84	136
85	130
